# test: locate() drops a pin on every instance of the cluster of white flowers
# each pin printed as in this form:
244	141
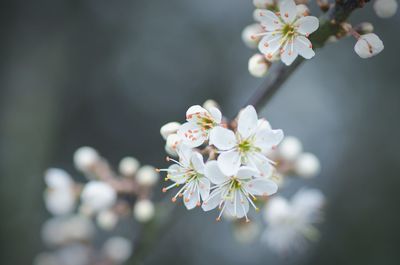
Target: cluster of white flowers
290	224
237	168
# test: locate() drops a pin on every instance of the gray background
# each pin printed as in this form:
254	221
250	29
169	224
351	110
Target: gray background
110	73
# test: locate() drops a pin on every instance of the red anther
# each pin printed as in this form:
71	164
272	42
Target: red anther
164	189
173	199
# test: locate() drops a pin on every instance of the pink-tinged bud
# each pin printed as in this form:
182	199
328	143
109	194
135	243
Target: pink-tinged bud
368	45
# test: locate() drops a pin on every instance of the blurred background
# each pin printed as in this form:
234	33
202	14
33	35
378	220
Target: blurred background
110	74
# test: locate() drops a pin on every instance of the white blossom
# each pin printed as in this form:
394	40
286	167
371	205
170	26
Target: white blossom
128	166
188	172
85	158
199	124
234	193
73	254
307	165
143	210
169	128
290	148
368	45
98	195
107	220
286	33
147	176
118	249
291	223
60	196
258	65
248	146
385	8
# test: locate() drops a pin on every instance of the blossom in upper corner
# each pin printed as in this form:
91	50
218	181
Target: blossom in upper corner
368	45
248	146
189	172
234	192
385	8
286	33
291	223
199	124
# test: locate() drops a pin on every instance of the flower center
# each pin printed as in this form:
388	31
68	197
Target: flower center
206	123
288	30
244	146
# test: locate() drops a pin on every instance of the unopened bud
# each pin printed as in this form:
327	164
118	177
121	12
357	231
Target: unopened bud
249	35
307	165
210	103
172	143
368	45
169	128
85	158
128	166
302	10
147	176
107	220
143	210
118	249
258	65
385	8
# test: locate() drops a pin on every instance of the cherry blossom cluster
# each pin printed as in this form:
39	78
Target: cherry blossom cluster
221	164
106	201
282	31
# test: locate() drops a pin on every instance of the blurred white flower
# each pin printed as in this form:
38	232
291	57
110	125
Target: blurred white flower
118	249
107	220
290	148
247	232
169	128
128	166
285	33
385	8
368	45
59	197
291	223
147	176
143	210
263	3
302	10
189	172
209	104
98	195
253	139
85	158
307	165
172	143
74	254
258	65
249	35
199	124
233	193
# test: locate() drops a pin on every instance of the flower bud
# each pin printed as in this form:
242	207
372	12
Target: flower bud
172	143
147	176
265	4
143	210
210	103
364	28
169	128
98	195
307	165
128	166
368	45
332	39
302	10
290	148
249	35
118	249
385	8
107	220
85	158
59	202
258	65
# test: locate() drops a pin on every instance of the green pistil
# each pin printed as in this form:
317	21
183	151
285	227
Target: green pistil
244	146
206	123
288	30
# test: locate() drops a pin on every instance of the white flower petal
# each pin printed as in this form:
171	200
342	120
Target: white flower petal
368	45
262	187
193	110
176	174
213	201
191	134
204	188
214	174
266	139
268	19
216	114
270	44
197	162
304	47
247	122
190	198
222	138
307	25
229	162
246	172
288	53
261	162
288	11
185	154
238	206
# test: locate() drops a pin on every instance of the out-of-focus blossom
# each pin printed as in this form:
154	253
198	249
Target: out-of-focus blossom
107	220
74	254
249	35
85	158
169	128
118	249
143	210
286	33
189	172
209	104
234	193
290	224
253	139
302	10
385	8
59	196
290	148
128	166
368	45
263	3
98	195
307	165
246	232
258	65
200	122
147	176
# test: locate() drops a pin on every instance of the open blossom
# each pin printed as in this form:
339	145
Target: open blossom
199	124
248	146
234	193
368	45
286	33
189	172
291	223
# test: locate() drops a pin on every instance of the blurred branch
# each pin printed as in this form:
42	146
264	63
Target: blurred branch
330	25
